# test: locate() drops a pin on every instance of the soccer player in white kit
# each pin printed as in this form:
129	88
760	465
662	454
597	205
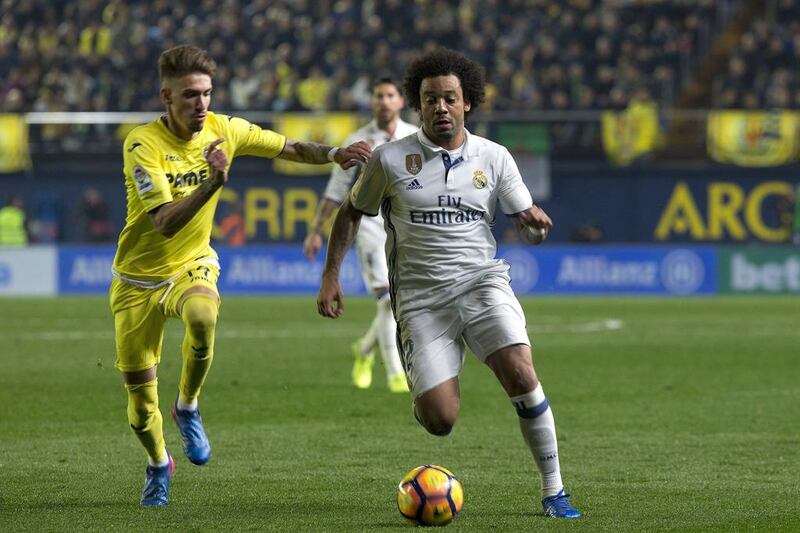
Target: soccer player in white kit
438	190
386	126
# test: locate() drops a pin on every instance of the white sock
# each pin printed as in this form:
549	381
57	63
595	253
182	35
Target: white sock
386	331
367	343
163	462
186	406
539	430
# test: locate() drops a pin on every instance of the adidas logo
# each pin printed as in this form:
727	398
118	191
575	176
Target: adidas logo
414	185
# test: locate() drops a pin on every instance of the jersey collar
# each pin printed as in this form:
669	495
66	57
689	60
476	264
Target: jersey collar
433	148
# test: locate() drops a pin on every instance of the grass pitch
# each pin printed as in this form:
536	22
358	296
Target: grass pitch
673	414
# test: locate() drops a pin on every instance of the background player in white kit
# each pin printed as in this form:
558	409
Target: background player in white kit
387	102
438	191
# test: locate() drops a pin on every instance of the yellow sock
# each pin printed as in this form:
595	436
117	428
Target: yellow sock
199	314
145	419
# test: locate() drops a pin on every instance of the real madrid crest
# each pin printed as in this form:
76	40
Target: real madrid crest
414	163
479	179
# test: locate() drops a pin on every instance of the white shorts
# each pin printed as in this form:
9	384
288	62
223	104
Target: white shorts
486	318
370	246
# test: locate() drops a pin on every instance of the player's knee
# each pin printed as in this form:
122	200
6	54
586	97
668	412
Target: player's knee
438	421
439	428
199	313
522	378
514	370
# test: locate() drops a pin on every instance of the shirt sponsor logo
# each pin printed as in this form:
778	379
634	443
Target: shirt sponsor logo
414	163
143	182
479	179
170	157
414	185
190	179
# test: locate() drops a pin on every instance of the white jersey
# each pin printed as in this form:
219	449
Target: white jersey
438	213
341	180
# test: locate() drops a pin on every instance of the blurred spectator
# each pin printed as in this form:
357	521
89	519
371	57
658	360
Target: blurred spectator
61	54
95	218
13	227
44	225
588	232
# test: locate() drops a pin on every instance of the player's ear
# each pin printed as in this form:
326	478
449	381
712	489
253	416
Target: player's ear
166	95
467	106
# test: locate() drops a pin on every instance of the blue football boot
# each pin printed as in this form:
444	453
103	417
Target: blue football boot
156	484
195	442
558	506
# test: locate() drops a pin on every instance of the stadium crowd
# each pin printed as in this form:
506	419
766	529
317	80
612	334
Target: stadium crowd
93	55
762	68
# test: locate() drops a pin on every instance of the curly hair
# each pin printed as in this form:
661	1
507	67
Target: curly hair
442	62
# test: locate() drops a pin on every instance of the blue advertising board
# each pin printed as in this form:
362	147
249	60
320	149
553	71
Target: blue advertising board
283	269
655	270
276	269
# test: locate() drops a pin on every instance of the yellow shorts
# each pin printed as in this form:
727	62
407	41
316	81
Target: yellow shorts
140	314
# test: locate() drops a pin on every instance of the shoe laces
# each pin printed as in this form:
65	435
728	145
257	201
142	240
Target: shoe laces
559	501
191	427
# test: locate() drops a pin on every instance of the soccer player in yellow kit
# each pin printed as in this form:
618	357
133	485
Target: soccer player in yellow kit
164	267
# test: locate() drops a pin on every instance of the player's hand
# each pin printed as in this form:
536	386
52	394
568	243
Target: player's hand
217	162
534	225
330	301
348	157
312	245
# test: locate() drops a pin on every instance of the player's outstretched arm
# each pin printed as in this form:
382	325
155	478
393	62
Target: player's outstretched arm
317	154
533	225
313	241
169	218
330	301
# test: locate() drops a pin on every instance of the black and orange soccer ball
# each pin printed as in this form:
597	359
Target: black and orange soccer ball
430	495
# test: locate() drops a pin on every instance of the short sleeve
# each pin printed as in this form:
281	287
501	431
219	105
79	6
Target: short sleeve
370	188
143	169
339	183
513	194
251	139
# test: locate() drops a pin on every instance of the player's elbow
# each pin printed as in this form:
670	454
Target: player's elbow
163	228
162	224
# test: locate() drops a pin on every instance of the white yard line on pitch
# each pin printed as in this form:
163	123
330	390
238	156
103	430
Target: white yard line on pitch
592	326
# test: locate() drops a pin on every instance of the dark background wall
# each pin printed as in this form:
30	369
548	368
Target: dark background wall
652	203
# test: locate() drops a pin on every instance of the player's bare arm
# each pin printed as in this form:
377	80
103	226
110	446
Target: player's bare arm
169	218
330	301
313	241
314	153
533	224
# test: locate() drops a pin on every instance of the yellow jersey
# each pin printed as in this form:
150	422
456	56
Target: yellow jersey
159	168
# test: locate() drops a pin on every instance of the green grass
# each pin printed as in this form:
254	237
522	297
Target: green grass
685	418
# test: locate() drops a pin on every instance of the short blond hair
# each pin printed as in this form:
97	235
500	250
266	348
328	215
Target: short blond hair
185	59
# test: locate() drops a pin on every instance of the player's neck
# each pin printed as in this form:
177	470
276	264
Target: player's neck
173	126
447	143
389	126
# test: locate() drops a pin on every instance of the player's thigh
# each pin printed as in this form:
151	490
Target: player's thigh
431	347
138	335
200	277
494	319
372	258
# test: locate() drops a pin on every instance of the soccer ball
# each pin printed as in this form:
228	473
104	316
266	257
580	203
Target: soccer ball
430	495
